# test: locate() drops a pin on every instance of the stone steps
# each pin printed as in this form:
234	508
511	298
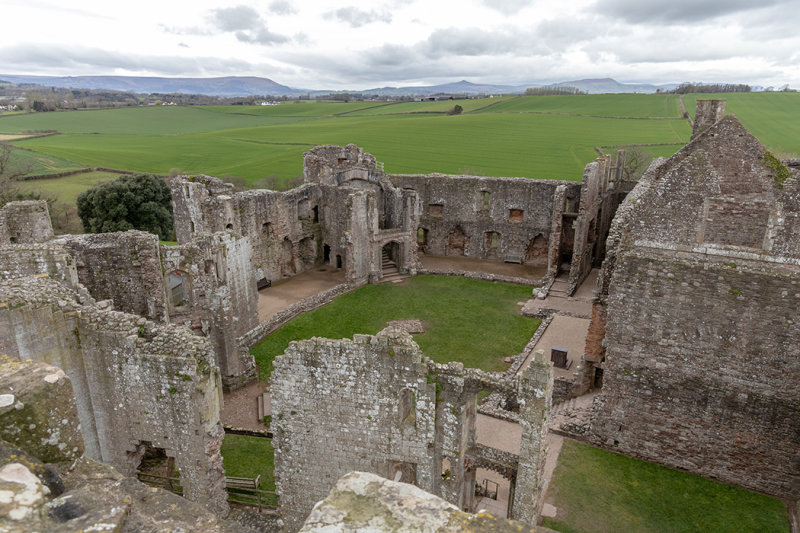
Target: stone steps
389	271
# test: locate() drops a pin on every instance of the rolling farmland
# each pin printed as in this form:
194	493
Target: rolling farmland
536	136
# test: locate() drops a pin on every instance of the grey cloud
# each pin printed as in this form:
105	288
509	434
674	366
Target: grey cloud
246	24
81	59
676	11
356	17
507	7
477	42
191	30
282	7
236	18
260	36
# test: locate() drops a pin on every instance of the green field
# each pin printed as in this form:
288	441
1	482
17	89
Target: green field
531	136
65	189
598	491
462	318
774	118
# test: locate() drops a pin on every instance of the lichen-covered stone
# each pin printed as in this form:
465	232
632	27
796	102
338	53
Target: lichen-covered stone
98	498
366	502
38	411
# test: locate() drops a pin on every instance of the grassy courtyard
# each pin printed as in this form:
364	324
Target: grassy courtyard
244	456
599	491
475	322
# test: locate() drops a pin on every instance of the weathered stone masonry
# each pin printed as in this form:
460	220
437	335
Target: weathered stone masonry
135	383
377	404
700	295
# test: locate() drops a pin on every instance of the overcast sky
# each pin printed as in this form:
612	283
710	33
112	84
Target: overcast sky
320	44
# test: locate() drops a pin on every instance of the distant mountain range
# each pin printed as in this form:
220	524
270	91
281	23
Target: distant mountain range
227	86
253	86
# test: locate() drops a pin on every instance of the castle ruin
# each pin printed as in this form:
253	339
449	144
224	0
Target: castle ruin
693	324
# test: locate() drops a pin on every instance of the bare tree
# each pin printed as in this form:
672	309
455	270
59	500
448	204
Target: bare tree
9	174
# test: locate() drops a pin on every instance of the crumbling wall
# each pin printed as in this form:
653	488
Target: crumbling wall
342	405
700	334
283	227
707	113
25	222
588	224
376	404
134	382
212	288
458	214
124	267
22	260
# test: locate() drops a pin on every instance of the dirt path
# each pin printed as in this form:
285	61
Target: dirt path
468	264
240	409
286	292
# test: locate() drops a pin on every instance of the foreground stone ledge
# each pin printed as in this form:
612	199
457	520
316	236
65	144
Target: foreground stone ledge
366	502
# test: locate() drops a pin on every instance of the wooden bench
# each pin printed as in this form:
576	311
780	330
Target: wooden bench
243	483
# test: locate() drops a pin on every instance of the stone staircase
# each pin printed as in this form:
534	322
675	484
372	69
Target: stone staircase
559	288
389	270
573	417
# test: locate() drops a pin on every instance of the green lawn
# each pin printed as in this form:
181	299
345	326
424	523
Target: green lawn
244	456
600	491
475	322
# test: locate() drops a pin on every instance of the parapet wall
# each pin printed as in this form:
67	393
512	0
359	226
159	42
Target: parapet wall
135	383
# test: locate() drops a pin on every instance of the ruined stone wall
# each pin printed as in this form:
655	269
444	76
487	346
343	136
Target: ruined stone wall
534	393
695	388
344	405
124	267
707	113
134	382
217	296
375	403
283	227
587	225
22	260
700	317
494	218
25	222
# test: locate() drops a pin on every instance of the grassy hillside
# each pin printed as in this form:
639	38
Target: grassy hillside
535	136
494	144
774	118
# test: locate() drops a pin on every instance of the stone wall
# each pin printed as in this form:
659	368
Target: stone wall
506	219
25	222
701	341
348	405
135	383
124	267
212	289
377	404
21	260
